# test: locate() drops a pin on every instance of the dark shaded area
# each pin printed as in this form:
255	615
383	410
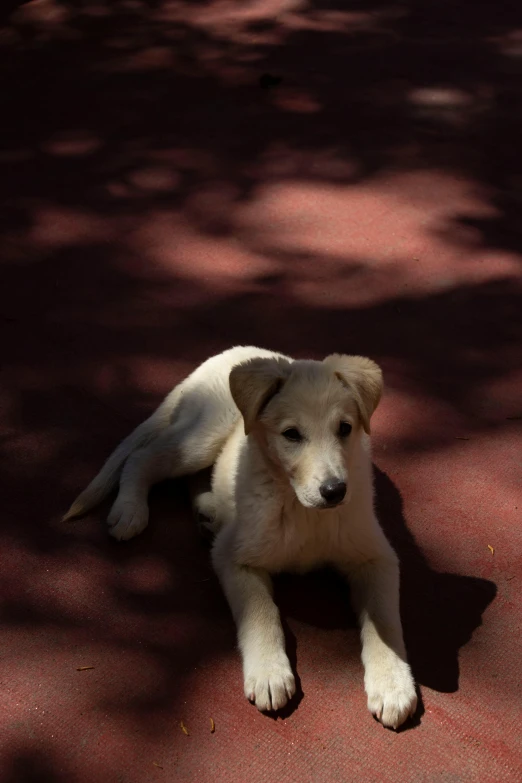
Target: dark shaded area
32	766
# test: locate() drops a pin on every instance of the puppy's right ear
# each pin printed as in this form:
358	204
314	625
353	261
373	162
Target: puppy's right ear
254	383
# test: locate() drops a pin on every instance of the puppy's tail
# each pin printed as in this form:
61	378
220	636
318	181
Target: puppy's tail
110	473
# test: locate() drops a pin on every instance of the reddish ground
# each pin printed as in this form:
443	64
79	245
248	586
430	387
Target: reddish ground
160	203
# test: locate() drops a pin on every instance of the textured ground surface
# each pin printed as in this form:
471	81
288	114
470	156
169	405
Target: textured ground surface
158	204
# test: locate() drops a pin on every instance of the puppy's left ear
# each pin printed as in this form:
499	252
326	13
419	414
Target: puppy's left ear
364	379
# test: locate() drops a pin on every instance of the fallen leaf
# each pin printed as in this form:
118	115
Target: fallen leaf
184	728
491	549
84	668
212	726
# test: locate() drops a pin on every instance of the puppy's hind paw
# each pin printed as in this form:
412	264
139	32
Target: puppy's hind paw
127	520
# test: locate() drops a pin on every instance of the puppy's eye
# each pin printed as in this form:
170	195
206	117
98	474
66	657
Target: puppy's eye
344	429
292	434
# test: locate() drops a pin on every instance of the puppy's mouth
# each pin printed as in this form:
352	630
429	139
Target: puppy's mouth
325	505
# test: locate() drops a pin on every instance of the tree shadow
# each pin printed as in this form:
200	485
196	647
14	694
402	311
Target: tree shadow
150	116
112	101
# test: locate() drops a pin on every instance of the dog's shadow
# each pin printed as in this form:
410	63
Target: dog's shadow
439	611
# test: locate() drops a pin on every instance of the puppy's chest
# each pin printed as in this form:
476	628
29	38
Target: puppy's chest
298	540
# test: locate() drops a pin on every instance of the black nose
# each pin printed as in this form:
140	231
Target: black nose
333	491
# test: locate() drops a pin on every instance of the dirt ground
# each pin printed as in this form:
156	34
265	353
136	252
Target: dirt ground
177	177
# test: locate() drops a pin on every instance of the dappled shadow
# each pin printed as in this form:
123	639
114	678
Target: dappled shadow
91	342
117	103
177	177
84	336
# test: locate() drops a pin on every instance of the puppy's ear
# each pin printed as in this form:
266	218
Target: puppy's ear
364	379
254	383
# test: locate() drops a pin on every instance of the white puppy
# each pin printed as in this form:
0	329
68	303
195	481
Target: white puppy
291	490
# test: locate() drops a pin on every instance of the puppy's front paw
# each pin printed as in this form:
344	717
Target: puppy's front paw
269	684
391	693
127	519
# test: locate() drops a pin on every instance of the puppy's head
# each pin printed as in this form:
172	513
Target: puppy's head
308	418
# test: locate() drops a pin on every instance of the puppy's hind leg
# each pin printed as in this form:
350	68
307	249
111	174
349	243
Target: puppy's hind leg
184	448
